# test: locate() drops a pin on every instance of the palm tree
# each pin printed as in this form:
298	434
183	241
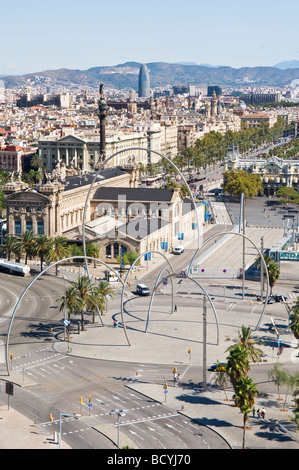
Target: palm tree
272	268
274	274
106	291
294	319
93	251
238	363
26	243
42	247
70	302
9	246
85	289
244	339
59	250
95	302
245	393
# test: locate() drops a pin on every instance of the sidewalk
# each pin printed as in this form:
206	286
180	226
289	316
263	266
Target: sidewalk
19	432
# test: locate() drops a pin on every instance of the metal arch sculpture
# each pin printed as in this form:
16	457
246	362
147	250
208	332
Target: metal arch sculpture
130	150
35	279
186	276
260	254
153	293
132	266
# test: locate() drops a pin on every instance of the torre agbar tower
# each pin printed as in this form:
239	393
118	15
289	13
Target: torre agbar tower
143	82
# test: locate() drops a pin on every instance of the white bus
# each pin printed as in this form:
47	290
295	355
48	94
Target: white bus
14	268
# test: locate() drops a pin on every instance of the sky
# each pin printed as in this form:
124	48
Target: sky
37	36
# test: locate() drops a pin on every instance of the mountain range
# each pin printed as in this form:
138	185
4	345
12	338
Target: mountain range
163	73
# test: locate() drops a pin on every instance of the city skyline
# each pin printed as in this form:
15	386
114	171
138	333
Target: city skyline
76	36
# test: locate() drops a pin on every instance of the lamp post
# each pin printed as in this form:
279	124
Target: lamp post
119	413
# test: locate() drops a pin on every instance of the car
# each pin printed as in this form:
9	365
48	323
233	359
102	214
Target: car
217	367
142	289
177	250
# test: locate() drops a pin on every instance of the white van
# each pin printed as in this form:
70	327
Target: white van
142	289
178	250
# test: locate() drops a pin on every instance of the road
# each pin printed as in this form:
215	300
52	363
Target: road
57	382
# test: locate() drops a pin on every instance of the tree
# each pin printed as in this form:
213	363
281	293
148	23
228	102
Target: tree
95	302
221	377
238	364
245	340
278	376
245	393
287	194
85	292
236	182
106	291
2	202
36	162
26	244
59	250
273	273
93	251
294	319
9	246
70	302
42	247
128	257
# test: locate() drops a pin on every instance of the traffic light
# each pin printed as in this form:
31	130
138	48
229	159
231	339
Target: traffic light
81	401
165	386
89	399
51	417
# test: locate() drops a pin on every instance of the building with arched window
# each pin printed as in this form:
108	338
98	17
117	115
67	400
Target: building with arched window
275	172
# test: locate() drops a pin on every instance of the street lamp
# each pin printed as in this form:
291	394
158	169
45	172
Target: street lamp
119	413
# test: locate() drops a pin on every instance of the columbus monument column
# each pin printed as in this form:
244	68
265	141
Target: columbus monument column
102	116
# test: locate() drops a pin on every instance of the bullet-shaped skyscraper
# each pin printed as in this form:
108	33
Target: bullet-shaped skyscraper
143	82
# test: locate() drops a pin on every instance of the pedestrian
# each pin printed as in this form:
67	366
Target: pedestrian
258	413
263	412
253	412
175	308
178	378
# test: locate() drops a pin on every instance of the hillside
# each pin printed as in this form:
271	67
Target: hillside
161	73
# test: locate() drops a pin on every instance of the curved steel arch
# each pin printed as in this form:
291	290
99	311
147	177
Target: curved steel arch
35	279
102	167
260	254
153	294
132	266
186	276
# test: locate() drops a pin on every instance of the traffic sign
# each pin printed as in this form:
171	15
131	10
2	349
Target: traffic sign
9	388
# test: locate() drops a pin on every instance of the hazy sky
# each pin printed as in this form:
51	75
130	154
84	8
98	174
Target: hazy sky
75	34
